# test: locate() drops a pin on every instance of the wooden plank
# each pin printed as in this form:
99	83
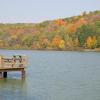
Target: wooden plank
12	69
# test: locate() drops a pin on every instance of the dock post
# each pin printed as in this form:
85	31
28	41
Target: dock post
0	74
5	74
23	73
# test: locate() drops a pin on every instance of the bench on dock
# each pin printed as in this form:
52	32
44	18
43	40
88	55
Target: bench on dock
15	63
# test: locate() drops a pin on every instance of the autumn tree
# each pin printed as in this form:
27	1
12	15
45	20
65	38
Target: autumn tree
98	41
56	41
83	32
62	44
71	28
2	44
60	22
91	42
43	41
76	42
27	40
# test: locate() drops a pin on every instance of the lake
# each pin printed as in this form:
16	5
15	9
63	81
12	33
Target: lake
54	75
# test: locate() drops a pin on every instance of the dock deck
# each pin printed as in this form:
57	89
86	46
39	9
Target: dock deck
16	63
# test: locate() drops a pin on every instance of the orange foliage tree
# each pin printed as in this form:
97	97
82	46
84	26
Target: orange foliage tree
60	22
71	28
81	22
56	41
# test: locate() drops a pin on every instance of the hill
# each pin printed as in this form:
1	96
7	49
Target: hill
74	33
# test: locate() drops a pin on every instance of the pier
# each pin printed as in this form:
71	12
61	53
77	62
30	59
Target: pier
15	63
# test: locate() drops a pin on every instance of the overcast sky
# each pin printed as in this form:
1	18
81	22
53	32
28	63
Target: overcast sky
33	11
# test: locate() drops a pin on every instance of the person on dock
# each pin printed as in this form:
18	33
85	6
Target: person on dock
20	61
14	61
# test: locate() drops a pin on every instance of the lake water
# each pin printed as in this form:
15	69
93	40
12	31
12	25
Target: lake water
54	75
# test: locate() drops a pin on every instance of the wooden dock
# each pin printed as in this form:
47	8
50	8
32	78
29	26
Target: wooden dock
16	63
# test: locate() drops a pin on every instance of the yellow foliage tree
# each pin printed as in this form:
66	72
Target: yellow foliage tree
91	42
62	44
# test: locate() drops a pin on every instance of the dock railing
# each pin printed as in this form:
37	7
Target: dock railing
14	63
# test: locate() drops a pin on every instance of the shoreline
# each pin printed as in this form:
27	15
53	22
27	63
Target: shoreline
68	49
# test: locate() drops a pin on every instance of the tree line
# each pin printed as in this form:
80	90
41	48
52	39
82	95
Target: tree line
77	32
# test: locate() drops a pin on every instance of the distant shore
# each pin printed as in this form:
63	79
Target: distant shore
67	49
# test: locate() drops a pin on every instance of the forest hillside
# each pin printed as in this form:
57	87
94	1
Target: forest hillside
74	33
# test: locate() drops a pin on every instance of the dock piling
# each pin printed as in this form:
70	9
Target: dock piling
4	74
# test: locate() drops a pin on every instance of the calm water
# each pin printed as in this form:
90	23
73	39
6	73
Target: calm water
54	76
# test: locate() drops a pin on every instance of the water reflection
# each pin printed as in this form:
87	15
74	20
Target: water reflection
13	89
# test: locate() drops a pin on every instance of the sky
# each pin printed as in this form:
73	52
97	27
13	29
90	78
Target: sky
35	11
